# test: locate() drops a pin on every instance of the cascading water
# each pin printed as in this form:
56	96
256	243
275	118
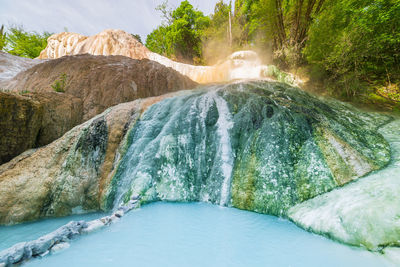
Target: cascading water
260	146
182	147
255	145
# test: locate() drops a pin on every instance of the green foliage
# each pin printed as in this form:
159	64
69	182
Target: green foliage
223	35
24	92
181	37
59	84
280	25
357	42
25	44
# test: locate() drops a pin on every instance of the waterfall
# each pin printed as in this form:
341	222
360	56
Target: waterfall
254	145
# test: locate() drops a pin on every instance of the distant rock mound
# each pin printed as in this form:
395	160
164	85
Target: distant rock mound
106	43
100	81
11	65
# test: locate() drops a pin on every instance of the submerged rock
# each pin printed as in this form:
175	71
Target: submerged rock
53	242
60	246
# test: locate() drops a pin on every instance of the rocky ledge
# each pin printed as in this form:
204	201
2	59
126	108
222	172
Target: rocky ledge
52	97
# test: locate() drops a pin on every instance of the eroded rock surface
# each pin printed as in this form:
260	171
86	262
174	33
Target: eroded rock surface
257	146
20	122
101	81
11	65
365	212
35	114
106	43
73	171
35	119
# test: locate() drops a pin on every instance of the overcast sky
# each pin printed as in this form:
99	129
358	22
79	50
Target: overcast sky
89	17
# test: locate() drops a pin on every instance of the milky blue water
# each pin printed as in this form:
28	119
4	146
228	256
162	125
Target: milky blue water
198	234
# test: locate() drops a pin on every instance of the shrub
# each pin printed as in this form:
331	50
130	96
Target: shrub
59	84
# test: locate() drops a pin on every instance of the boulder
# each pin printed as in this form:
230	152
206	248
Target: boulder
73	171
36	114
20	122
101	81
35	119
10	65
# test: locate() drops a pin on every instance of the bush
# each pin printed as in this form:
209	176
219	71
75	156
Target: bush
59	84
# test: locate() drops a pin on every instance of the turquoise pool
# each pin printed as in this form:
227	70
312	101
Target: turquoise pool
199	234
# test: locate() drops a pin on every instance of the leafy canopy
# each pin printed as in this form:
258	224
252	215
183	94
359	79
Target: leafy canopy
25	44
180	36
357	40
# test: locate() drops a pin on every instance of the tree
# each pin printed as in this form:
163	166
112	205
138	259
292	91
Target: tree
357	41
280	24
217	38
25	44
156	41
181	36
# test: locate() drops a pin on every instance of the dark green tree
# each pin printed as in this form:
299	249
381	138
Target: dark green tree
180	37
280	24
357	42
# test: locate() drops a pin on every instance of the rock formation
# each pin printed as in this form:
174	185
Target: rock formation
11	65
88	84
106	43
101	81
365	212
118	42
263	147
35	119
81	161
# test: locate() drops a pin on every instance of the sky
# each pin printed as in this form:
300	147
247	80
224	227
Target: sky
89	17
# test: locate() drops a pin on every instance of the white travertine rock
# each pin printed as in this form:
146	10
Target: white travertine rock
240	65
